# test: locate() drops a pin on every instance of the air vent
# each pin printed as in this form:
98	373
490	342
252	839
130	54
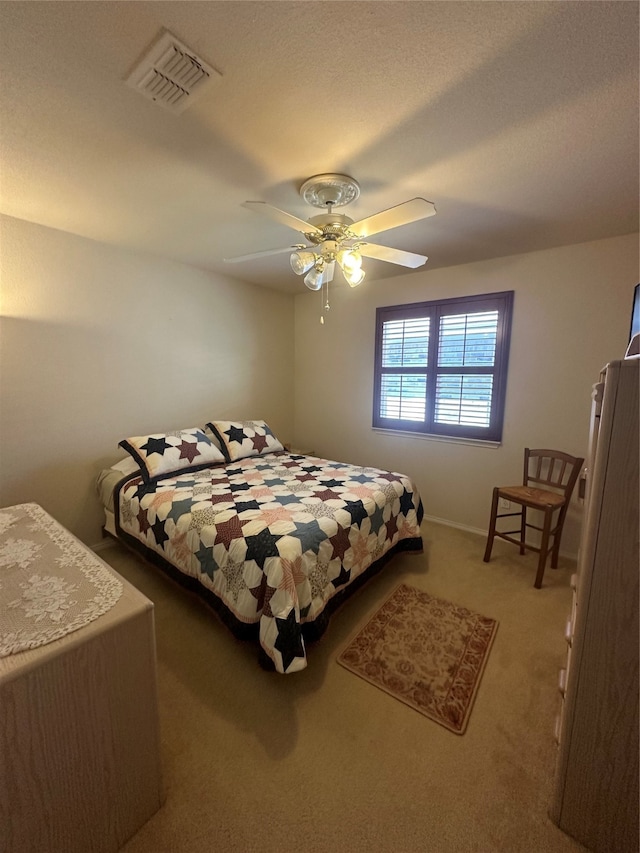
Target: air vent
170	74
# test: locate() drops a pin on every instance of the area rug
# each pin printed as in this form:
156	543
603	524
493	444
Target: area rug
426	652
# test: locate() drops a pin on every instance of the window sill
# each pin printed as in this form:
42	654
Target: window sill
446	439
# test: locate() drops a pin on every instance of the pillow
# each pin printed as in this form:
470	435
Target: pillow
161	454
126	466
239	439
213	438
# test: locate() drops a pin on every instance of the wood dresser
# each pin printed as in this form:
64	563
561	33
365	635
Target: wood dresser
79	735
596	784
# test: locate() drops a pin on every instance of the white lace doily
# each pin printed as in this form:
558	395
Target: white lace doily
50	584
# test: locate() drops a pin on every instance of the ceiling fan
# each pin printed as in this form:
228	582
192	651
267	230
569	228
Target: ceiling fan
336	238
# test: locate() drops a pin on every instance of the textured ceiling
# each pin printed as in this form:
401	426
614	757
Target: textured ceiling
519	120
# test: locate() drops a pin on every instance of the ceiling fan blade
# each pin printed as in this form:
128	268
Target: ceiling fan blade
263	254
283	217
393	256
401	214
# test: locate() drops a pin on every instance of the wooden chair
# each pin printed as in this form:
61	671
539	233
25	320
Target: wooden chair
547	484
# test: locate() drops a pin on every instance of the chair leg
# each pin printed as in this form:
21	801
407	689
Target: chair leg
556	539
523	529
492	526
544	547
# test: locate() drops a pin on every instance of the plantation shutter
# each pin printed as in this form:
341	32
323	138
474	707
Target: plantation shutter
441	367
466	359
403	382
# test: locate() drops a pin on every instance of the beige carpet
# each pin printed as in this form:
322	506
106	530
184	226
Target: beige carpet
427	652
256	762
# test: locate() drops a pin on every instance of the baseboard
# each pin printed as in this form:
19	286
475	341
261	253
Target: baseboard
479	532
455	524
103	544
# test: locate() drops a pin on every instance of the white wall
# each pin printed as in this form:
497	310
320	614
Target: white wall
571	316
98	343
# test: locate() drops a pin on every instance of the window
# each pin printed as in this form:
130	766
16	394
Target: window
441	367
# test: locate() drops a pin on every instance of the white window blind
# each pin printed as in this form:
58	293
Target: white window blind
466	340
464	400
403	397
405	343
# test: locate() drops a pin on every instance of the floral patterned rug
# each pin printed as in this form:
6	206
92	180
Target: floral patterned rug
426	652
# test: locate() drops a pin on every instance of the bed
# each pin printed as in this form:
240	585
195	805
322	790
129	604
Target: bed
273	540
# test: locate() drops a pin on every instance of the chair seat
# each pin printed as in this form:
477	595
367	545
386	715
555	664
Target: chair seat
536	498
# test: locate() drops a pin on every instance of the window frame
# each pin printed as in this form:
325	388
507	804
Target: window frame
435	309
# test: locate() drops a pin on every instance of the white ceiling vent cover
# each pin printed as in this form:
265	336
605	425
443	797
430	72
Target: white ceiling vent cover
170	74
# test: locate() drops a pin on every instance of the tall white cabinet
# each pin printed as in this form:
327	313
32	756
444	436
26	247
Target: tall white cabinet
596	784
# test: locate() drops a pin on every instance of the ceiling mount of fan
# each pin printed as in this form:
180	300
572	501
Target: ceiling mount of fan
330	190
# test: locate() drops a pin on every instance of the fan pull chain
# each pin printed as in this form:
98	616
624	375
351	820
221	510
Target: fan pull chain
326	306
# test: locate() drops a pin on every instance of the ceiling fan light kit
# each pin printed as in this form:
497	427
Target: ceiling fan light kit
355	277
301	262
314	278
335	237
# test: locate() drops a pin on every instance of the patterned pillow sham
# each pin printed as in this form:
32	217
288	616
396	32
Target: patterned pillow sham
213	438
161	454
239	439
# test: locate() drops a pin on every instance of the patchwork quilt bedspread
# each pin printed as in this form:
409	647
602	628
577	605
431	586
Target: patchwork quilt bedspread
273	537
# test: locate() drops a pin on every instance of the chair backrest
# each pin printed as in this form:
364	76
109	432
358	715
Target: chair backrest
551	469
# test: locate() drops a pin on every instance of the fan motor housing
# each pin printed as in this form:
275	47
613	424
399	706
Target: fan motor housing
334	226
